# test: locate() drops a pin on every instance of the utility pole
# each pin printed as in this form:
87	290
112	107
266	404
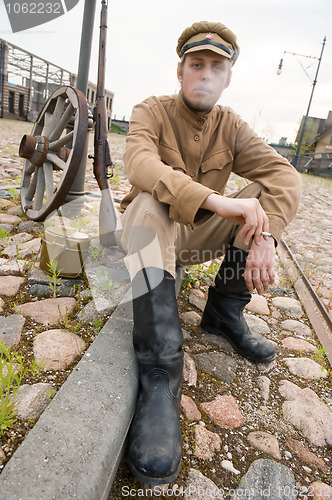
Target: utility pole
295	158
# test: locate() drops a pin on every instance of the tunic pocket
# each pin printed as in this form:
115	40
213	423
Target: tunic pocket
217	161
215	170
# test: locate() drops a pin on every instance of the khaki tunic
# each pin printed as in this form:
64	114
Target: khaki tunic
181	157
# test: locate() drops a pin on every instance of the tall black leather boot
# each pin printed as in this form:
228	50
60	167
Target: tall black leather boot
223	314
154	454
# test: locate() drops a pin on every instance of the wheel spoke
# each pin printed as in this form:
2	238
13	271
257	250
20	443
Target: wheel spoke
53	158
40	189
58	110
30	169
47	123
56	145
49	185
32	186
56	132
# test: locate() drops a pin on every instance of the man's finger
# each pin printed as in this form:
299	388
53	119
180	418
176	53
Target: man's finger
265	279
272	276
258	282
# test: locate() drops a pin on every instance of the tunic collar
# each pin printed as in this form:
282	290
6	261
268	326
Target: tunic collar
190	116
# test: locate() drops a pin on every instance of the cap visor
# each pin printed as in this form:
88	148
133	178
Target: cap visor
200	48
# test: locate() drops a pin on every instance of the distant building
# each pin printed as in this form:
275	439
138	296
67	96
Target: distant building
323	141
27	81
318	158
318	133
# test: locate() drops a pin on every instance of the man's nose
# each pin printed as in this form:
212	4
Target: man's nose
206	73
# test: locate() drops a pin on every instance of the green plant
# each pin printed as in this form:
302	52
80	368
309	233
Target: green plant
98	323
320	354
115	174
11	375
190	278
35	368
212	270
320	357
96	252
50	393
54	278
14	193
80	221
77	293
309	138
105	283
64	319
4	235
199	273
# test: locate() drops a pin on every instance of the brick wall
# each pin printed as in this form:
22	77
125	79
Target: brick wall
15	101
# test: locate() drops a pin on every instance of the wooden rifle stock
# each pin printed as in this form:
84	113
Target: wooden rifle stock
102	157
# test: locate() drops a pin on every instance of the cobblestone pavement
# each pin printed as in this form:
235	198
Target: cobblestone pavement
249	431
310	236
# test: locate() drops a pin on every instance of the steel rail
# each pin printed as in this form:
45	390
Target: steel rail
315	309
320	199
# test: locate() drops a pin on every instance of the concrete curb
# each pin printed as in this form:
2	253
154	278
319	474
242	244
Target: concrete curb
75	448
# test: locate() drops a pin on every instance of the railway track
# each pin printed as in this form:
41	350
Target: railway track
316	311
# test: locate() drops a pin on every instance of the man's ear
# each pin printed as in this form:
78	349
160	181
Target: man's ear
179	72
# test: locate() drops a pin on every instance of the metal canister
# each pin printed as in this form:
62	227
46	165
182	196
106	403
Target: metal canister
66	247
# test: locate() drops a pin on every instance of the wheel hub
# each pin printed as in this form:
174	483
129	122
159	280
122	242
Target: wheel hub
34	148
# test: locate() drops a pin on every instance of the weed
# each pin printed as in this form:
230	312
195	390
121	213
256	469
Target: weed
98	323
35	368
4	235
50	393
64	319
79	222
194	275
105	283
115	174
190	279
77	293
54	278
11	375
96	253
14	193
319	355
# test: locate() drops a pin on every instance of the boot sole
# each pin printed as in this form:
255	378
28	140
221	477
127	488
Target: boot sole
154	481
214	331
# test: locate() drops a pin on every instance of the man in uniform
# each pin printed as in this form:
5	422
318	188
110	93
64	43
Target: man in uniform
179	154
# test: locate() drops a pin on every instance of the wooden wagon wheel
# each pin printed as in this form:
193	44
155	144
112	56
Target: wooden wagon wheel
53	154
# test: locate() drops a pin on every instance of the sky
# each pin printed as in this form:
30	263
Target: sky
142	60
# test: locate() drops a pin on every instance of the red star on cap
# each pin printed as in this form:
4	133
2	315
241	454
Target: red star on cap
209	36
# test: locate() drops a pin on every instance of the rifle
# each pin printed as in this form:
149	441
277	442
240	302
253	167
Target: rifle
102	156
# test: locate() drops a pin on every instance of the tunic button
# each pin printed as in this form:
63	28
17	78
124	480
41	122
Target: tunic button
192	174
196	138
200	122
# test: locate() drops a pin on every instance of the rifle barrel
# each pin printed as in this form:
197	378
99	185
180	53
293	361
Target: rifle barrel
107	215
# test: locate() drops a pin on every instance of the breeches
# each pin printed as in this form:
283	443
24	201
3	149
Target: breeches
151	239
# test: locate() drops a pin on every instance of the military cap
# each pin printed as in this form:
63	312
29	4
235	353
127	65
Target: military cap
205	35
